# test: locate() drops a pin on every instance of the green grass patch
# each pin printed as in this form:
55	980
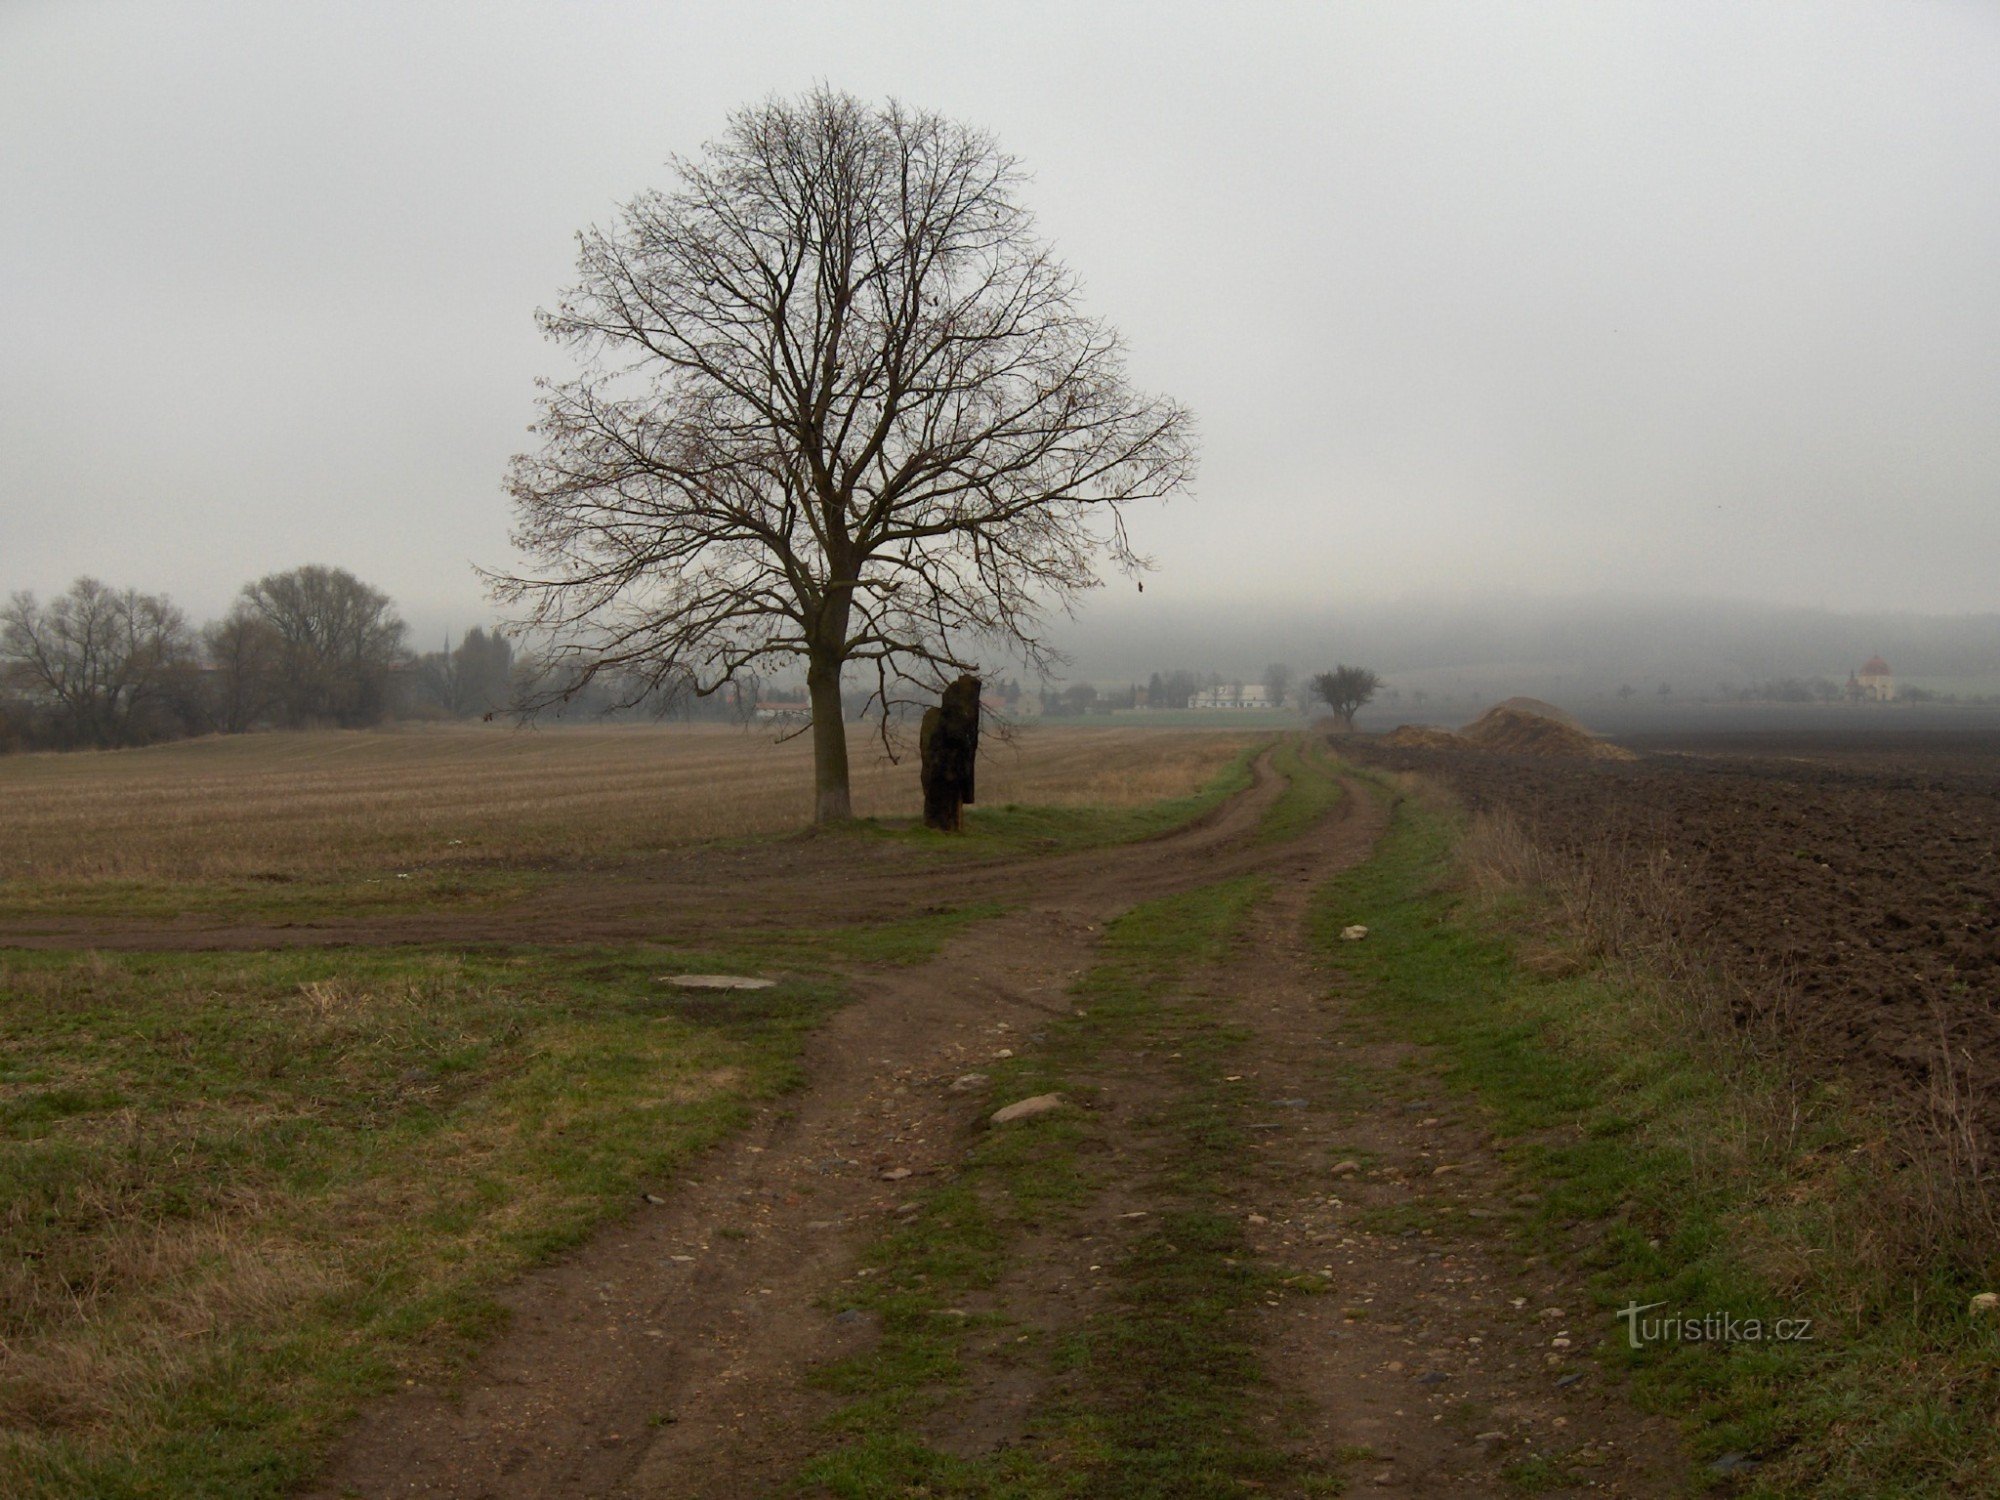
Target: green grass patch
238	1193
1312	788
1681	1173
279	898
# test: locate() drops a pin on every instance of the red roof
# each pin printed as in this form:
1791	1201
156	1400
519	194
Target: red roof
1875	667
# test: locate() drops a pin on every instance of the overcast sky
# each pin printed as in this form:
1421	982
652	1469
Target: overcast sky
1509	297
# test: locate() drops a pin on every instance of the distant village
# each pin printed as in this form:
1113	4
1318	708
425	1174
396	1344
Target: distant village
1184	691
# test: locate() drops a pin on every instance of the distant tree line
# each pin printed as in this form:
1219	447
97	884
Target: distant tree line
99	667
103	667
1084	698
1826	690
1177	689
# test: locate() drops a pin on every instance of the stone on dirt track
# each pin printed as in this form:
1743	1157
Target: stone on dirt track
1026	1109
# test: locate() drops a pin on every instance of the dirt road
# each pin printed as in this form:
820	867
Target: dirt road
672	1356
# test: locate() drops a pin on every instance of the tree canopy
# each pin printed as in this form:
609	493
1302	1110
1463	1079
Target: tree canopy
1345	690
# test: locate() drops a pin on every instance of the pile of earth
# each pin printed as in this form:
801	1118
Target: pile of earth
1528	731
1540	706
1422	737
1514	726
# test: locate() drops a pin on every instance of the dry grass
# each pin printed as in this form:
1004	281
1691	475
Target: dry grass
1629	909
295	805
253	1183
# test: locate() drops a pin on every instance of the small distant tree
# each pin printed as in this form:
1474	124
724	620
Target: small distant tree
1626	691
339	642
110	666
1345	690
1278	683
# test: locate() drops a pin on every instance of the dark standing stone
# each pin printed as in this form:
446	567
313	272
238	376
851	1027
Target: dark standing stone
949	745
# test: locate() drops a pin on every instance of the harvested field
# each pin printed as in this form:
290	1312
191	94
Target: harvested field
1858	877
297	805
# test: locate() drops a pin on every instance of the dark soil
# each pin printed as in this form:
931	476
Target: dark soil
1853	880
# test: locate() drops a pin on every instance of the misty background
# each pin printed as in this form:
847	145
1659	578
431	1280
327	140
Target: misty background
1556	346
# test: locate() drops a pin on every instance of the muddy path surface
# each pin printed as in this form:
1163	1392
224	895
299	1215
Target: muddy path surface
672	1356
1441	1361
707	893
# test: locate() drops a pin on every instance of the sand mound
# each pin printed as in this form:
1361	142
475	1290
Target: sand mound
1422	737
1514	730
1539	707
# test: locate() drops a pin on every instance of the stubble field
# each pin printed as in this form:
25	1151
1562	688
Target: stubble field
305	806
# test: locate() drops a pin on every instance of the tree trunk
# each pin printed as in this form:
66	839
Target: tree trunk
831	803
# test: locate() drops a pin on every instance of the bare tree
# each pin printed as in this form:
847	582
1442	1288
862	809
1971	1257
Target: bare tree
475	677
1344	690
340	641
107	663
245	658
838	404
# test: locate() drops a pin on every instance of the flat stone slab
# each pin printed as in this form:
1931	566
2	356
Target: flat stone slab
1027	1109
716	982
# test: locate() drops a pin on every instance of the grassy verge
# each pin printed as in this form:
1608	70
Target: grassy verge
277	899
240	1192
1681	1174
1013	828
1153	1392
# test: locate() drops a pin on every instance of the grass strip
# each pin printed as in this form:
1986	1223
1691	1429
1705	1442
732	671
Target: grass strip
1312	788
1152	1393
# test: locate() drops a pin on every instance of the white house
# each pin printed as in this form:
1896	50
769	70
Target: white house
1232	695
